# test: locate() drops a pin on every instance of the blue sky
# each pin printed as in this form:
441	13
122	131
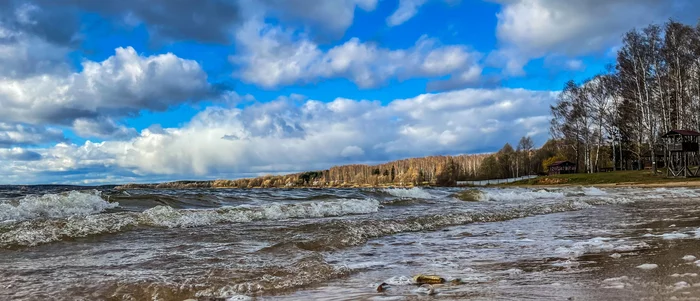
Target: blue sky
132	91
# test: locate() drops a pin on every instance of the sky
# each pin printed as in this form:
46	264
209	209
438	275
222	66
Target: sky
101	91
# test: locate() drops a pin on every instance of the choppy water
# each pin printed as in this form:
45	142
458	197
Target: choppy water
61	243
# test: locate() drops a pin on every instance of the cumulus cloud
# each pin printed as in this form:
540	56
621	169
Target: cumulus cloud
290	134
122	84
530	29
271	56
18	134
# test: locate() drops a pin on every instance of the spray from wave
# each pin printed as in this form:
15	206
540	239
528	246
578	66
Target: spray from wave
59	205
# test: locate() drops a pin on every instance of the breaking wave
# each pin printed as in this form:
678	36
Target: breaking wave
169	217
40	231
413	193
518	194
340	234
59	205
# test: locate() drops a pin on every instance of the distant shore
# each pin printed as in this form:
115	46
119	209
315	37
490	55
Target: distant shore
606	179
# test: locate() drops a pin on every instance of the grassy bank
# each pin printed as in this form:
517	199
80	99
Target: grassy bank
643	177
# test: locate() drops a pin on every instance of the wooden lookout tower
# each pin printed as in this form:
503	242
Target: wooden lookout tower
682	153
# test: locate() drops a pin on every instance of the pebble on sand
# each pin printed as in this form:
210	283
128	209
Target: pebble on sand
648	266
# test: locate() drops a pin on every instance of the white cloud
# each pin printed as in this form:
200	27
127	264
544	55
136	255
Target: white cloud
122	84
270	57
530	29
290	134
575	64
406	10
352	151
13	134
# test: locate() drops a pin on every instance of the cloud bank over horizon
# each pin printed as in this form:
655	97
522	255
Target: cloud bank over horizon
128	92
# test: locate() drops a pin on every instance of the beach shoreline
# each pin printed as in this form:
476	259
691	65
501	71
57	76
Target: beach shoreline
604	185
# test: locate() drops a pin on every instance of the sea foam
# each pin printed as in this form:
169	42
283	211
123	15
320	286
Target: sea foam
413	193
33	232
166	216
59	205
519	194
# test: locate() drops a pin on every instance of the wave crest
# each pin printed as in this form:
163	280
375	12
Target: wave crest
40	231
165	216
518	194
412	193
50	205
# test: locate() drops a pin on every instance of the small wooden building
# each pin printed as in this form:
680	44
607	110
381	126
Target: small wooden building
682	153
562	167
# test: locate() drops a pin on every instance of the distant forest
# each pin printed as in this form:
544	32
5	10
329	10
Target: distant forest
617	118
613	120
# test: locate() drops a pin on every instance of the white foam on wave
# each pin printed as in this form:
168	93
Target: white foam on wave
684	275
679	192
412	193
593	191
166	216
617	282
59	205
517	194
674	235
697	233
399	280
600	245
239	298
35	232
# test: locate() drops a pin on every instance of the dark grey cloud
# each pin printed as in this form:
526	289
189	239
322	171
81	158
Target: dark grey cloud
57	25
206	21
102	128
18	154
330	19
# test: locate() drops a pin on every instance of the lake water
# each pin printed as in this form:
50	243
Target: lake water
572	243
